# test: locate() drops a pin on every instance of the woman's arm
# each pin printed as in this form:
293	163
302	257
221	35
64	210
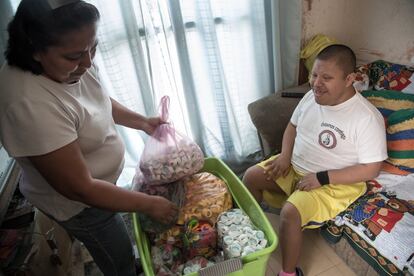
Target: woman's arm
66	171
126	117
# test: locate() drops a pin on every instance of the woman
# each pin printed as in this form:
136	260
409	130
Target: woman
59	124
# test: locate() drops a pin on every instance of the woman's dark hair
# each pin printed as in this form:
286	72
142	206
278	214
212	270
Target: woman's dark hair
37	26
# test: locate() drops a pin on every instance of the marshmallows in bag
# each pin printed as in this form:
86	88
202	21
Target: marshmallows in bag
168	155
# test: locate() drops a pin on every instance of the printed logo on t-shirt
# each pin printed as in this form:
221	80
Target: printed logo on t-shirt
327	139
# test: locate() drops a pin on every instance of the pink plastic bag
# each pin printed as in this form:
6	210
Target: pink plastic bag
168	156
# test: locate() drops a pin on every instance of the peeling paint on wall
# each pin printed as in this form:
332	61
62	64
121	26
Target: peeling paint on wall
309	4
374	53
374	29
410	54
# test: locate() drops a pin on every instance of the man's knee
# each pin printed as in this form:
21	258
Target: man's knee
250	176
290	214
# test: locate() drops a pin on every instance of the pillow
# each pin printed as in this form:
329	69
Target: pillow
400	142
388	101
361	82
270	115
391	76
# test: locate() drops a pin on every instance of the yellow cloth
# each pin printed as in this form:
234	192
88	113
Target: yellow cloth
314	47
316	206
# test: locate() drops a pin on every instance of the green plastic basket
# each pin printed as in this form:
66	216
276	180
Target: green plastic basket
254	263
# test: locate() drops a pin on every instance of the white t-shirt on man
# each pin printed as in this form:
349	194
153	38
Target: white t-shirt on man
39	115
335	137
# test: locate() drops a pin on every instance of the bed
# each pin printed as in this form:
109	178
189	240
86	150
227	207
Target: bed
379	226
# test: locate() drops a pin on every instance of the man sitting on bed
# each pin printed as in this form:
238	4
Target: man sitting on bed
334	142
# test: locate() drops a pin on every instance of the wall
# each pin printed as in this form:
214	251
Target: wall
374	29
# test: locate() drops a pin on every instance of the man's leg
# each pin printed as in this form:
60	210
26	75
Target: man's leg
310	209
290	237
256	182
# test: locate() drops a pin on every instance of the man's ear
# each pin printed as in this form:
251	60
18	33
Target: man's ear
350	79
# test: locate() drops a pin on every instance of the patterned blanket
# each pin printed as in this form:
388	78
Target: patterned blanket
380	225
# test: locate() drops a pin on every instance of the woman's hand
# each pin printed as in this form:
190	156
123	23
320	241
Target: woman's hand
150	124
162	210
277	167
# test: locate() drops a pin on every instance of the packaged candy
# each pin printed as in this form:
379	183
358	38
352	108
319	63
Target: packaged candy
237	235
200	239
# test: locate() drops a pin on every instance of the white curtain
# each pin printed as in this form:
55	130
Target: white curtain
286	35
212	57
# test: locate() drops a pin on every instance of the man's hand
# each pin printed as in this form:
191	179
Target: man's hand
308	182
150	124
162	210
277	167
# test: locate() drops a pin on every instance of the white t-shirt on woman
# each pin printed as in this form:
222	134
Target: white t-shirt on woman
39	115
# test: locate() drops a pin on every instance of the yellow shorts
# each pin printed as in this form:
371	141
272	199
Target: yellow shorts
315	206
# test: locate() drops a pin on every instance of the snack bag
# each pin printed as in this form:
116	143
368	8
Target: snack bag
200	239
206	197
174	192
168	155
167	260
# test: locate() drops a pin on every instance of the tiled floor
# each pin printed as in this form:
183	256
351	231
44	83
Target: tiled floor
317	257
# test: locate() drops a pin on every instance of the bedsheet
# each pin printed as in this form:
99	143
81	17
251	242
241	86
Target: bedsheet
380	225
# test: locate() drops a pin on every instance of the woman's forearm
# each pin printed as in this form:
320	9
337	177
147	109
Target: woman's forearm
126	117
107	196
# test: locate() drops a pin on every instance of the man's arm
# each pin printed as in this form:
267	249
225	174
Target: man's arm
353	174
280	166
288	141
348	175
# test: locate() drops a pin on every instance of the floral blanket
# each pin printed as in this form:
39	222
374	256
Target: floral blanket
381	74
380	225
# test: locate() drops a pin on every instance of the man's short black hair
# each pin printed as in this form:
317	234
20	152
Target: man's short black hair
344	56
36	26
